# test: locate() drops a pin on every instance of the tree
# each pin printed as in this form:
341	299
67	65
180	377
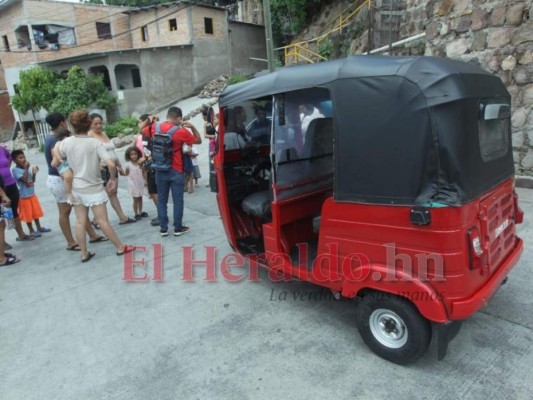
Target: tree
35	90
79	90
290	17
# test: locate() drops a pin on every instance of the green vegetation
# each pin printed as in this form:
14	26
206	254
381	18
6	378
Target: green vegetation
290	17
123	126
325	48
41	88
80	90
34	90
233	79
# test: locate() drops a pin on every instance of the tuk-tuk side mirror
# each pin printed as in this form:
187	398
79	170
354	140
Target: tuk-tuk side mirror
495	111
420	216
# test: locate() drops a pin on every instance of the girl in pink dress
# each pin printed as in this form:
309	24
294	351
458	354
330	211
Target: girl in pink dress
133	170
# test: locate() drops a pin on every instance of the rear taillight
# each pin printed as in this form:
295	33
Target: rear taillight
476	253
518	213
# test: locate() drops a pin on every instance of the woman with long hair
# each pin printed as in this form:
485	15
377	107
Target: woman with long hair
97	131
84	154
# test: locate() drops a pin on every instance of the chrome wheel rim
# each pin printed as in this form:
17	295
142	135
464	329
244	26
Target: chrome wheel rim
388	328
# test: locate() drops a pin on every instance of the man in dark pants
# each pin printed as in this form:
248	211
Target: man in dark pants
173	179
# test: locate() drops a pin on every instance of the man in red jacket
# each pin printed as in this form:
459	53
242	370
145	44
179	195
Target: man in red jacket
174	179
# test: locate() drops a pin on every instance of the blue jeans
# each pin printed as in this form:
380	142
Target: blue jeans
167	181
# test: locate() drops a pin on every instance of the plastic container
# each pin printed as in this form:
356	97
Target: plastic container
8	216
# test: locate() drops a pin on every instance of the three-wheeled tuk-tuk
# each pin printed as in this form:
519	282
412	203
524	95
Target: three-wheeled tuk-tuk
389	179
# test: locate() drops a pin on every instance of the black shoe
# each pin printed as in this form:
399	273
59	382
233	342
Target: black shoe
163	232
138	217
182	231
155	222
144	214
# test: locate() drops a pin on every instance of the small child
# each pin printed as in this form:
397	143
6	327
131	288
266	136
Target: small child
29	206
188	168
62	165
133	170
194	157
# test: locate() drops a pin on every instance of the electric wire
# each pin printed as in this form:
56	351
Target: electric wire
186	4
102	39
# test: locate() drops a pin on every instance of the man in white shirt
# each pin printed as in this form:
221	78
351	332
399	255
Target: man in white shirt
308	113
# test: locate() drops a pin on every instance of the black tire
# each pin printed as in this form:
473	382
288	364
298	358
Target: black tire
392	327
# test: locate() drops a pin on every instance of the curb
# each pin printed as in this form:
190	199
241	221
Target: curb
522	181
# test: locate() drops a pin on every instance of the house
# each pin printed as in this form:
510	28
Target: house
148	56
7	119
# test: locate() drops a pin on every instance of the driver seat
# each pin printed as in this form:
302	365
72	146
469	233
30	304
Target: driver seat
258	204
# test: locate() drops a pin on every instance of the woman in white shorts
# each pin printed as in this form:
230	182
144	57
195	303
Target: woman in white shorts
84	154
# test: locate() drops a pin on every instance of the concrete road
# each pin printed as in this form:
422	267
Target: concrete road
79	331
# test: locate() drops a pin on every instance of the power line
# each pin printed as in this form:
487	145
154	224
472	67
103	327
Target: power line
99	40
174	4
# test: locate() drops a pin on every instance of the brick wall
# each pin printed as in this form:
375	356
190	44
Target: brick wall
159	33
83	16
7	120
3	85
198	14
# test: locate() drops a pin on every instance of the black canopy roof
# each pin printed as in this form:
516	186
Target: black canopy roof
434	77
407	129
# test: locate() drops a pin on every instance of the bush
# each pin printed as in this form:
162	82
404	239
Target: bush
123	126
325	48
233	79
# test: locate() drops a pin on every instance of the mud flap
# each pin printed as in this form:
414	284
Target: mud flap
444	335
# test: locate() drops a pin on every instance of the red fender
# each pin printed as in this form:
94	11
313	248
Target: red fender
424	297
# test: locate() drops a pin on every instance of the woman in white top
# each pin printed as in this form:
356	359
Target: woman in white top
98	133
85	154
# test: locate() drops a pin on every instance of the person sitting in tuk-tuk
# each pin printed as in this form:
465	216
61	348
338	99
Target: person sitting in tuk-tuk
308	112
259	130
237	137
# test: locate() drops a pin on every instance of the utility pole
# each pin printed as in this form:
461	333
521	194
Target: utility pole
268	34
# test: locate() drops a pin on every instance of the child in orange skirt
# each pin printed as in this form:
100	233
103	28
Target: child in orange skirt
29	206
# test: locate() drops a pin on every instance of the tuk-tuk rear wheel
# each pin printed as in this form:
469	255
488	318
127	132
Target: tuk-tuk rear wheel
392	327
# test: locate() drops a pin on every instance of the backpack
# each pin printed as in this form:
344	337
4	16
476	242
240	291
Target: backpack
162	148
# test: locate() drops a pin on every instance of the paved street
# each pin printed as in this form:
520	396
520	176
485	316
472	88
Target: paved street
79	331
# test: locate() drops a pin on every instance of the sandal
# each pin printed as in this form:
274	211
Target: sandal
127	249
42	229
76	247
128	221
89	256
25	238
10	261
95	225
144	214
99	239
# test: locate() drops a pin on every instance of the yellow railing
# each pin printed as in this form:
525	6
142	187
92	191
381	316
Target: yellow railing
296	53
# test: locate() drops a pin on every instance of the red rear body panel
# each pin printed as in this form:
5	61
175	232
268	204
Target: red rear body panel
360	246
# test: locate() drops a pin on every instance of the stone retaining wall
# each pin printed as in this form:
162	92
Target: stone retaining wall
496	34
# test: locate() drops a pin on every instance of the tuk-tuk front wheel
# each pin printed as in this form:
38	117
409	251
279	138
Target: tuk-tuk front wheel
392	327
